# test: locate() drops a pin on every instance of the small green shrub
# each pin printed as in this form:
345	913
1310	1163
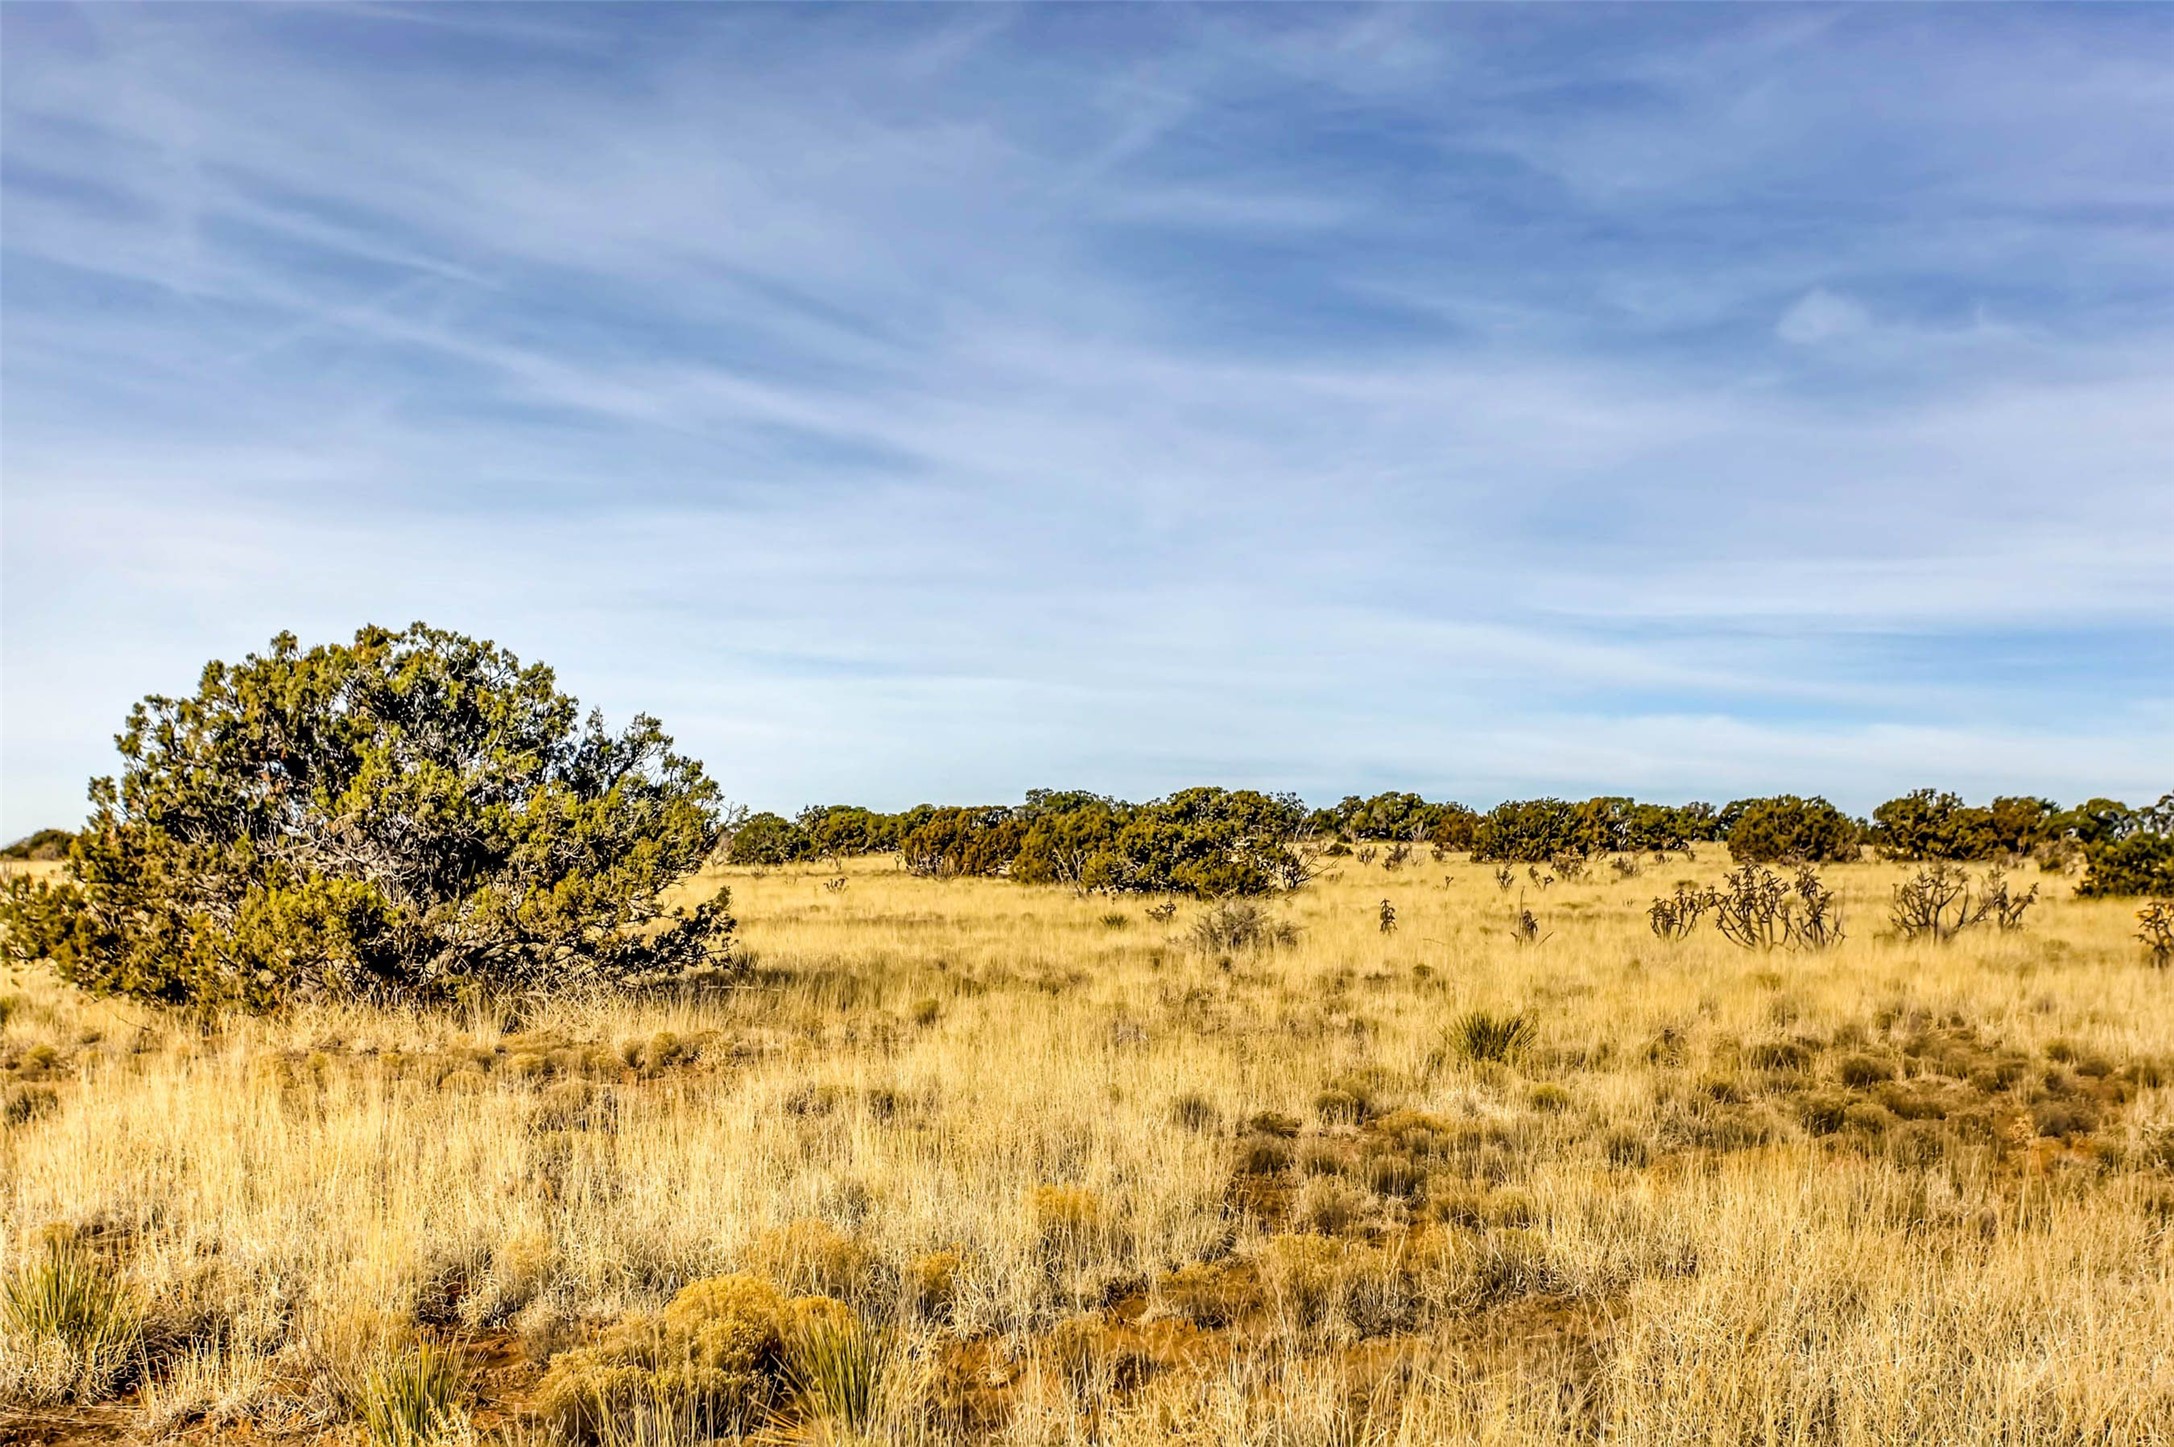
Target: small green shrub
21	1104
1625	1148
1862	1071
1195	1112
1780	1057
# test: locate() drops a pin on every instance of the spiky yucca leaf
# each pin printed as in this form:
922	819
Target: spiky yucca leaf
840	1369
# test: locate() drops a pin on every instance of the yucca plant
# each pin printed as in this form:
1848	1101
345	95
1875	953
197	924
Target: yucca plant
840	1368
68	1304
1483	1035
412	1398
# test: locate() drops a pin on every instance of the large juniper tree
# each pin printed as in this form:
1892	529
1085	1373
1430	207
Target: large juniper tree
393	818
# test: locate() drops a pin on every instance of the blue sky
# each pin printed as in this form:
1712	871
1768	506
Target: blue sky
921	403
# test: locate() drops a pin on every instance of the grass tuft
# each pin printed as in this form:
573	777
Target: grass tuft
69	1313
411	1398
1481	1035
840	1368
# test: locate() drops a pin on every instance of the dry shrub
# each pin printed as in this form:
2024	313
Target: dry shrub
1302	1276
1210	1294
1195	1112
1240	924
932	1283
1092	1360
1676	916
1264	1155
21	1104
217	1383
1067	1219
1860	1070
813	1256
1757	909
1626	1149
1350	1099
1328	1206
521	1267
1939	902
2155	932
716	1351
1321	1286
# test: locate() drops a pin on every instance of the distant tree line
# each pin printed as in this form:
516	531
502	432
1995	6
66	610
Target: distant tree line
1213	841
46	844
1210	841
1202	841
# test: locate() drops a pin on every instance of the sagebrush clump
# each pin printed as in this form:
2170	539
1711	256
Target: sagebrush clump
717	1352
1240	924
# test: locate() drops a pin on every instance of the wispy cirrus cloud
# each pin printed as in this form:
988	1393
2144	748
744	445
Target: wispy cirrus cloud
936	403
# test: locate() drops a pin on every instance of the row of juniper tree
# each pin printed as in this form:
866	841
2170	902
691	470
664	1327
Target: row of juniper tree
418	814
1211	841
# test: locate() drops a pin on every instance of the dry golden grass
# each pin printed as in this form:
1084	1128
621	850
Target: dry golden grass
1084	1182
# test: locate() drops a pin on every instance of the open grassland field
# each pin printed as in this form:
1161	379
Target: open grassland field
982	1162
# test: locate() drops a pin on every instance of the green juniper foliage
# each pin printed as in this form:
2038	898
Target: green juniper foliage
43	845
1396	816
769	839
1788	829
396	818
2132	854
1934	824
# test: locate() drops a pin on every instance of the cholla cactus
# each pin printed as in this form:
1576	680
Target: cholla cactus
2156	931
